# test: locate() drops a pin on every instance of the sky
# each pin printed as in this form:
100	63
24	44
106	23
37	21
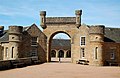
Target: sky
26	12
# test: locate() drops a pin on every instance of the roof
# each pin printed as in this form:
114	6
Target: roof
61	42
112	35
4	37
26	28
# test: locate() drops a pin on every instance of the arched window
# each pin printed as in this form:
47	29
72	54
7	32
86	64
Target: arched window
96	53
61	53
53	53
12	52
68	54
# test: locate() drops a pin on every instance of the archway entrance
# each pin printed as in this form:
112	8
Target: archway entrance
60	47
68	25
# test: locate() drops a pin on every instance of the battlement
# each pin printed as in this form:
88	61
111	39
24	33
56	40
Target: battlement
97	29
78	12
60	20
43	13
15	29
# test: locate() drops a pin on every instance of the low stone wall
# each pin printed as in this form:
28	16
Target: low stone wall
5	64
21	62
26	61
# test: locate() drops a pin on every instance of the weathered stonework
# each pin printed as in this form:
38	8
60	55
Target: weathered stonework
17	43
96	44
95	39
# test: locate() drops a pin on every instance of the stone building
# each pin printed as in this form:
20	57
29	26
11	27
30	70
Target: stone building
96	44
22	42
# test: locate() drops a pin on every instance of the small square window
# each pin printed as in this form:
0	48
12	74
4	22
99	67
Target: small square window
112	54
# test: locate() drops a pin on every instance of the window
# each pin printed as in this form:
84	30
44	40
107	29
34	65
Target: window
34	41
12	52
34	51
112	54
34	46
82	52
12	37
96	53
6	54
82	40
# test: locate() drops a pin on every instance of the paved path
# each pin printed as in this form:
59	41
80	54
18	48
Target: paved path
62	70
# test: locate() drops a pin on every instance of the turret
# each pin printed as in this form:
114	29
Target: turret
97	33
96	43
15	37
43	19
78	14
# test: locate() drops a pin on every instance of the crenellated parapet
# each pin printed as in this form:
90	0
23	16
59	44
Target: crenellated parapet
15	33
43	19
60	20
15	29
78	14
96	33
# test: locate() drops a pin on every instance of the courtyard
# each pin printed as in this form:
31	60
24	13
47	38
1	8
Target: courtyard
62	70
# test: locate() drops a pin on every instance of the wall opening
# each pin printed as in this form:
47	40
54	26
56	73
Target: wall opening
60	47
12	52
68	54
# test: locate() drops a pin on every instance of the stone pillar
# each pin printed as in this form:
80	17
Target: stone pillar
56	53
48	53
43	19
78	14
65	52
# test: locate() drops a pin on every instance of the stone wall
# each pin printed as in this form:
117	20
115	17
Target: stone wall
1	52
60	20
17	63
5	64
26	47
108	47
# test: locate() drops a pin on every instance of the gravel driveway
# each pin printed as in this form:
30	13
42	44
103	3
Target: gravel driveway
62	70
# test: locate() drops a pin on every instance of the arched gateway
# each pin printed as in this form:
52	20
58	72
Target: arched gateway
67	25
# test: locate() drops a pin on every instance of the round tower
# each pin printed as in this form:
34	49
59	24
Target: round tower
96	42
15	37
43	19
97	33
78	14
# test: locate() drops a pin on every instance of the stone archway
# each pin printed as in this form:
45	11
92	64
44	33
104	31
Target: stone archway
68	54
50	42
67	25
53	53
61	54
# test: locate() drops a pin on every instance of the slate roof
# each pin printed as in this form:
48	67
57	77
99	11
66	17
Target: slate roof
4	37
112	35
61	42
